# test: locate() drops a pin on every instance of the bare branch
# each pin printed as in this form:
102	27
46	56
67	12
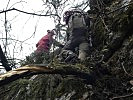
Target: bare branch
5	24
124	96
125	70
17	3
27	12
14	40
7	4
120	8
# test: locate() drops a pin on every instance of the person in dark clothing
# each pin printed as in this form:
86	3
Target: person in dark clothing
77	27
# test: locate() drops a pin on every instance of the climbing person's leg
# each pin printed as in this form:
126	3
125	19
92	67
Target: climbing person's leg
83	51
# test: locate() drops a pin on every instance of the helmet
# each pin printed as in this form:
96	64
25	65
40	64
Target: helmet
66	16
68	13
51	32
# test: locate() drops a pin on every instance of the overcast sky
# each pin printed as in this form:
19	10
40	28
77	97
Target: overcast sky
23	25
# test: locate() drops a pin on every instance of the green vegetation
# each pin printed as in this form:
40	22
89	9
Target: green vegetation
111	61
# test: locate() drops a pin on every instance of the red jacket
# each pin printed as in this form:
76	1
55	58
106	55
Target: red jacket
44	43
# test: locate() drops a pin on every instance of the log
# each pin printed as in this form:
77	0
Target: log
29	70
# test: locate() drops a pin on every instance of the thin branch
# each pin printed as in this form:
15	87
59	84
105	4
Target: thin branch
14	40
124	96
17	3
8	4
106	27
2	68
125	70
120	8
33	32
5	24
86	6
27	12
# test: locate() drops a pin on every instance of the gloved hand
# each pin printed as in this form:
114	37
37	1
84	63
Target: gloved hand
37	45
61	45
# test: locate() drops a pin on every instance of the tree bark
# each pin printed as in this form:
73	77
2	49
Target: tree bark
29	70
4	60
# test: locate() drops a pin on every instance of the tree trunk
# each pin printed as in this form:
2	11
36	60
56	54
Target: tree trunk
4	60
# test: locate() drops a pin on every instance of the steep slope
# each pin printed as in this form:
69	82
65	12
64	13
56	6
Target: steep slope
110	64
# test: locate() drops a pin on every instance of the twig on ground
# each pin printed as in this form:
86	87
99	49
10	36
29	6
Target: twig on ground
124	96
125	70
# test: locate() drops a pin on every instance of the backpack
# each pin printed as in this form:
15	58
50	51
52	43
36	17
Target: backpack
77	20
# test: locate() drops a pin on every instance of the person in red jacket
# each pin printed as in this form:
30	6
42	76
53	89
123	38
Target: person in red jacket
43	47
42	54
45	42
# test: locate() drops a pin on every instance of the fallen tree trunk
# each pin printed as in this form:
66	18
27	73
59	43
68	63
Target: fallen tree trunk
29	70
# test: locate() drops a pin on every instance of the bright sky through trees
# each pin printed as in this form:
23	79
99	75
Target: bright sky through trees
23	26
22	30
